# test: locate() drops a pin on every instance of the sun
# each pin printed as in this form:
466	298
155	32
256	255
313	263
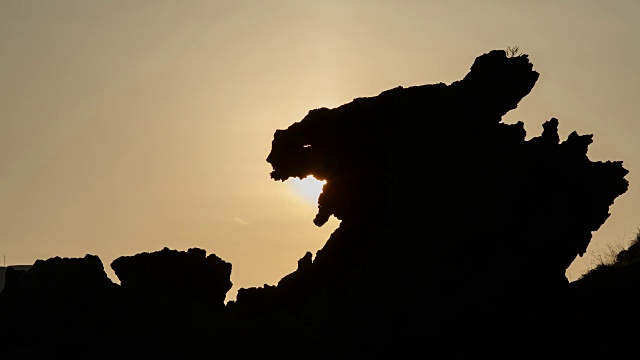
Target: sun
308	188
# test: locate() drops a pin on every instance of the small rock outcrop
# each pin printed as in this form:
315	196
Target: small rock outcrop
175	274
4	269
74	280
58	305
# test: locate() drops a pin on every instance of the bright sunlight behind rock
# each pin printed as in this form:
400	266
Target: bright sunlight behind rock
308	188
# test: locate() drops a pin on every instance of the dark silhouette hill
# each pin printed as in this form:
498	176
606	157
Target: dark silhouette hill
455	236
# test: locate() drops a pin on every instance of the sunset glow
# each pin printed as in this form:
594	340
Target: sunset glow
126	127
308	188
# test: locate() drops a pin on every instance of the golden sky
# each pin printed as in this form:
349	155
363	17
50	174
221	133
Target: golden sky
128	126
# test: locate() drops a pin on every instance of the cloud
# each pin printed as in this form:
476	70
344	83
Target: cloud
238	221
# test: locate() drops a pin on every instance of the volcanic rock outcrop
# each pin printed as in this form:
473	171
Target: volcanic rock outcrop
450	217
175	298
175	276
59	304
456	232
458	198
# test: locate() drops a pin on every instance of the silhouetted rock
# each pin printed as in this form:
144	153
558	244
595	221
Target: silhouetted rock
456	232
57	306
438	198
175	274
172	301
452	184
57	279
4	269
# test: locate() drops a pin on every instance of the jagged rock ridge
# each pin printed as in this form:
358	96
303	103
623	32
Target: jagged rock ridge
464	192
455	235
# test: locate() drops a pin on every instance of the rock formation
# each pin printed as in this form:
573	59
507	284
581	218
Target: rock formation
456	232
171	274
4	269
58	305
463	197
449	216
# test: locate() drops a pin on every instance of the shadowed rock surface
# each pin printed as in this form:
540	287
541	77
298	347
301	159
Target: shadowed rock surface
458	197
3	269
449	216
174	300
56	306
455	236
175	276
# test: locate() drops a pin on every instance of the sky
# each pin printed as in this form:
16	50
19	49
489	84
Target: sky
129	126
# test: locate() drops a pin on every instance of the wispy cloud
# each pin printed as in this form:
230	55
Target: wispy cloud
237	220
